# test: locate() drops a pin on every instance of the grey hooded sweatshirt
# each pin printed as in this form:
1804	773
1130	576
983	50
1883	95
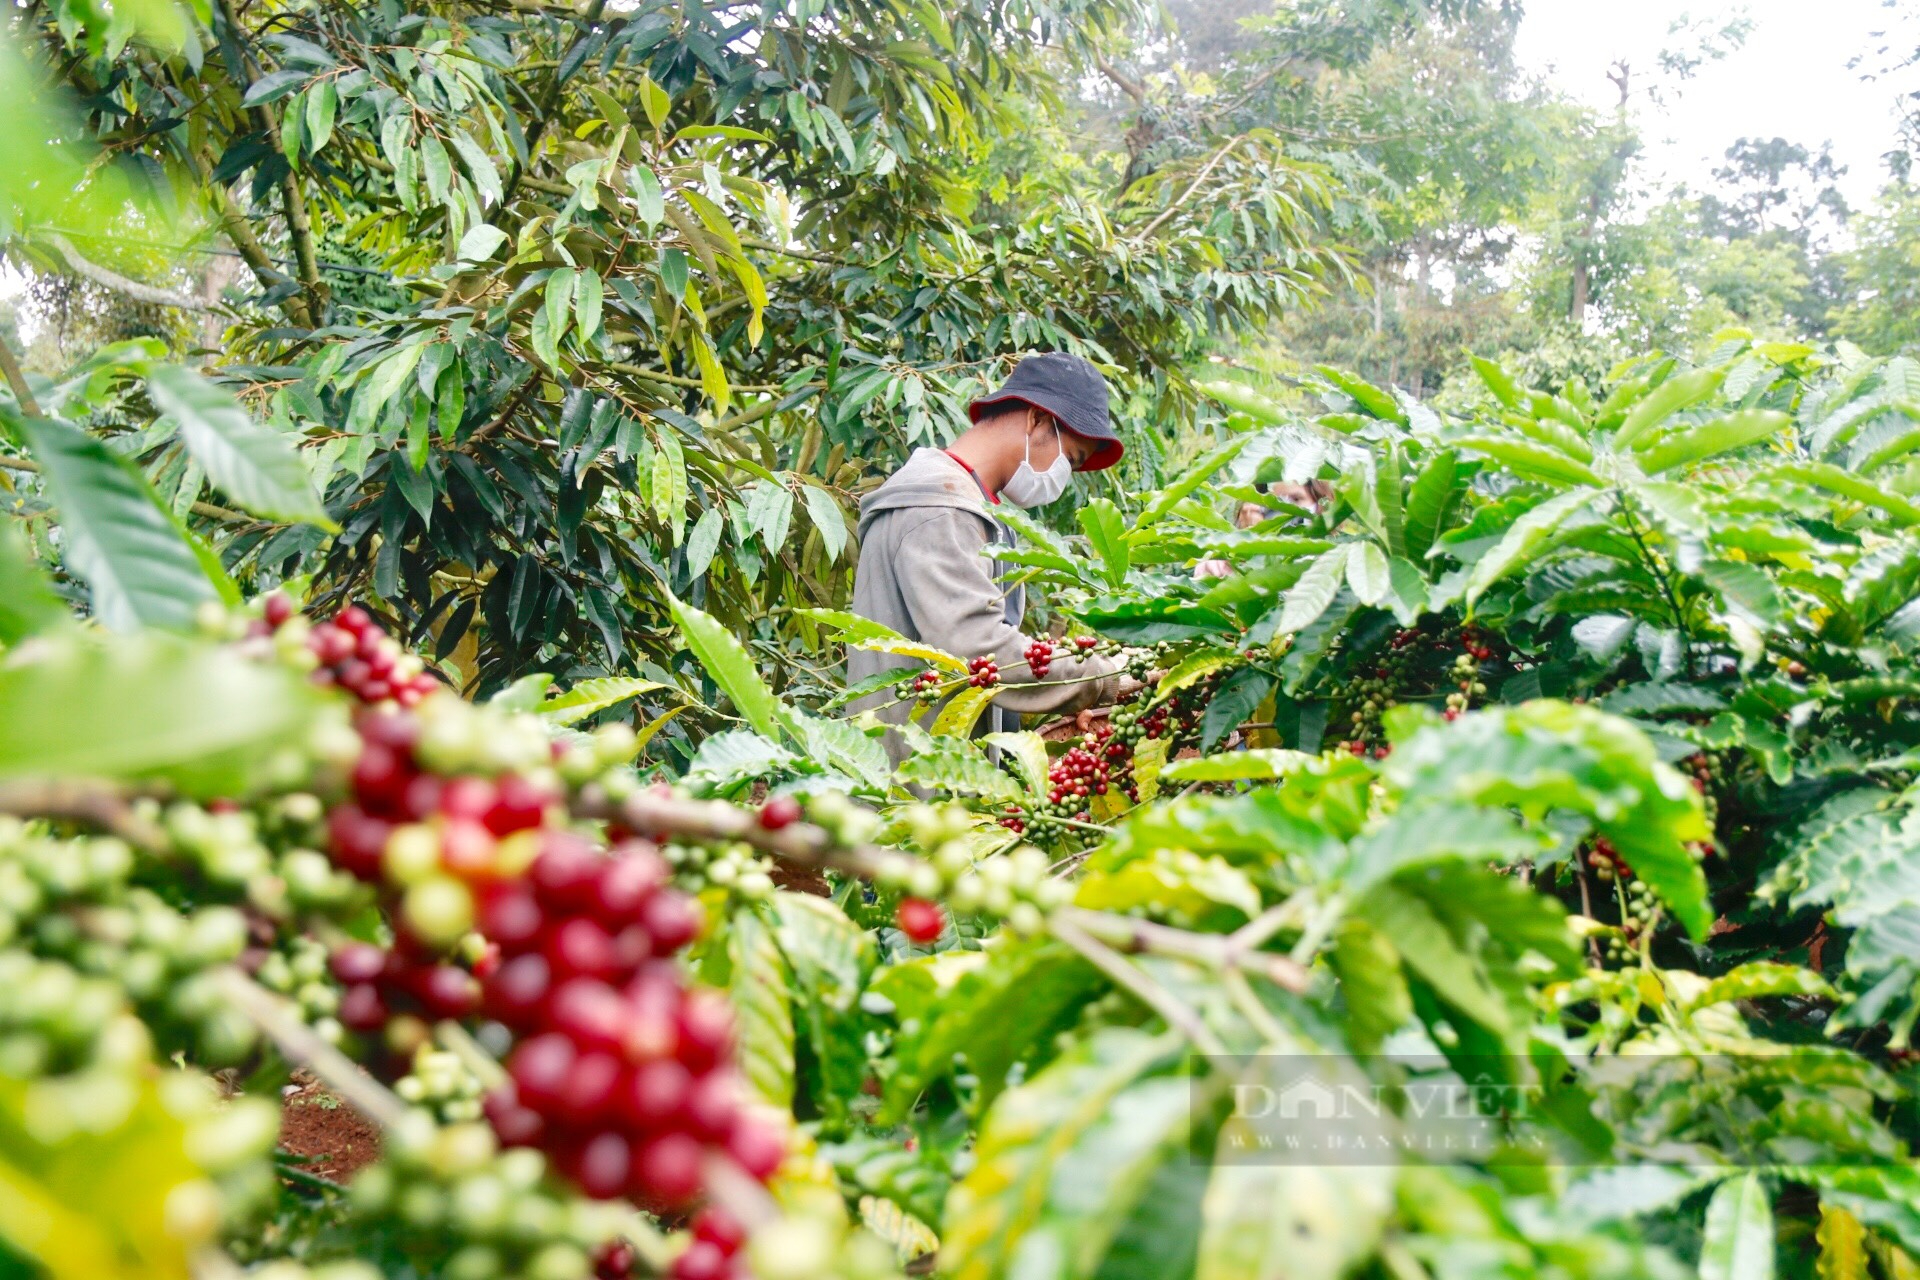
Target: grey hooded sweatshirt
922	573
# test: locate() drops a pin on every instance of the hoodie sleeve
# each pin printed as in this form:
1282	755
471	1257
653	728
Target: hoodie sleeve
956	605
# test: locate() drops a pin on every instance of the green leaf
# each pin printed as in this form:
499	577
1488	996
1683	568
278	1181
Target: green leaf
1316	589
1843	1245
703	542
1749	426
1106	530
382	381
1273	1218
1665	400
1554	755
255	466
1866	492
954	767
763	1012
844	747
725	761
91	1179
481	242
769	512
654	100
1262	765
827	518
524	694
1761	978
1244	399
118	539
590	697
28	602
1501	383
274	85
727	661
1738	1244
322	104
1373	400
648	200
912	649
1191	479
1029	752
961	710
1060	1160
1430	499
133	709
830	958
990	1011
437	168
588	299
1191	669
1367	573
557	302
1536	461
480	166
1523	538
1745	587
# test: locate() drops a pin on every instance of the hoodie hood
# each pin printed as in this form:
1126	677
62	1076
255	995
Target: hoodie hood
930	478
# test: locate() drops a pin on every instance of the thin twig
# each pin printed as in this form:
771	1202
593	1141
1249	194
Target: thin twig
17	382
86	268
199	508
1182	198
298	1044
1171	1009
79	801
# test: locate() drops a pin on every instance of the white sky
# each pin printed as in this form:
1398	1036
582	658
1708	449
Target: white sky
1790	80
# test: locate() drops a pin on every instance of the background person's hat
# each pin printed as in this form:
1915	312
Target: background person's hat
1070	389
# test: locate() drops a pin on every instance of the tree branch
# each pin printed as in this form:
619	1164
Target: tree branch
77	801
234	223
1184	196
17	383
106	279
293	199
1128	85
299	1045
547	104
206	509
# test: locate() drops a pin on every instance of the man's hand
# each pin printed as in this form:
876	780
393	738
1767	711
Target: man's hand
1213	569
1128	687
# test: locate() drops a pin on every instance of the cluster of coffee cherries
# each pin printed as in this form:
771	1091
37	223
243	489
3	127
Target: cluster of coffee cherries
398	992
442	1082
299	970
623	1073
983	672
1707	772
357	656
733	869
924	687
1638	907
76	901
1040	658
1466	673
1132	725
440	1182
1073	781
1016	886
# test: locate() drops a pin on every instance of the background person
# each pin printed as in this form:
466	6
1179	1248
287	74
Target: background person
924	535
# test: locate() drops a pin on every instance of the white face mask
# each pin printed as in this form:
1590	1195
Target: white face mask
1030	488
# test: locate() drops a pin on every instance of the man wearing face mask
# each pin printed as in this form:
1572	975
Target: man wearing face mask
924	535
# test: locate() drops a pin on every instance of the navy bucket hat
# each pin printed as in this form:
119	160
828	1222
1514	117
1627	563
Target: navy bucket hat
1070	389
